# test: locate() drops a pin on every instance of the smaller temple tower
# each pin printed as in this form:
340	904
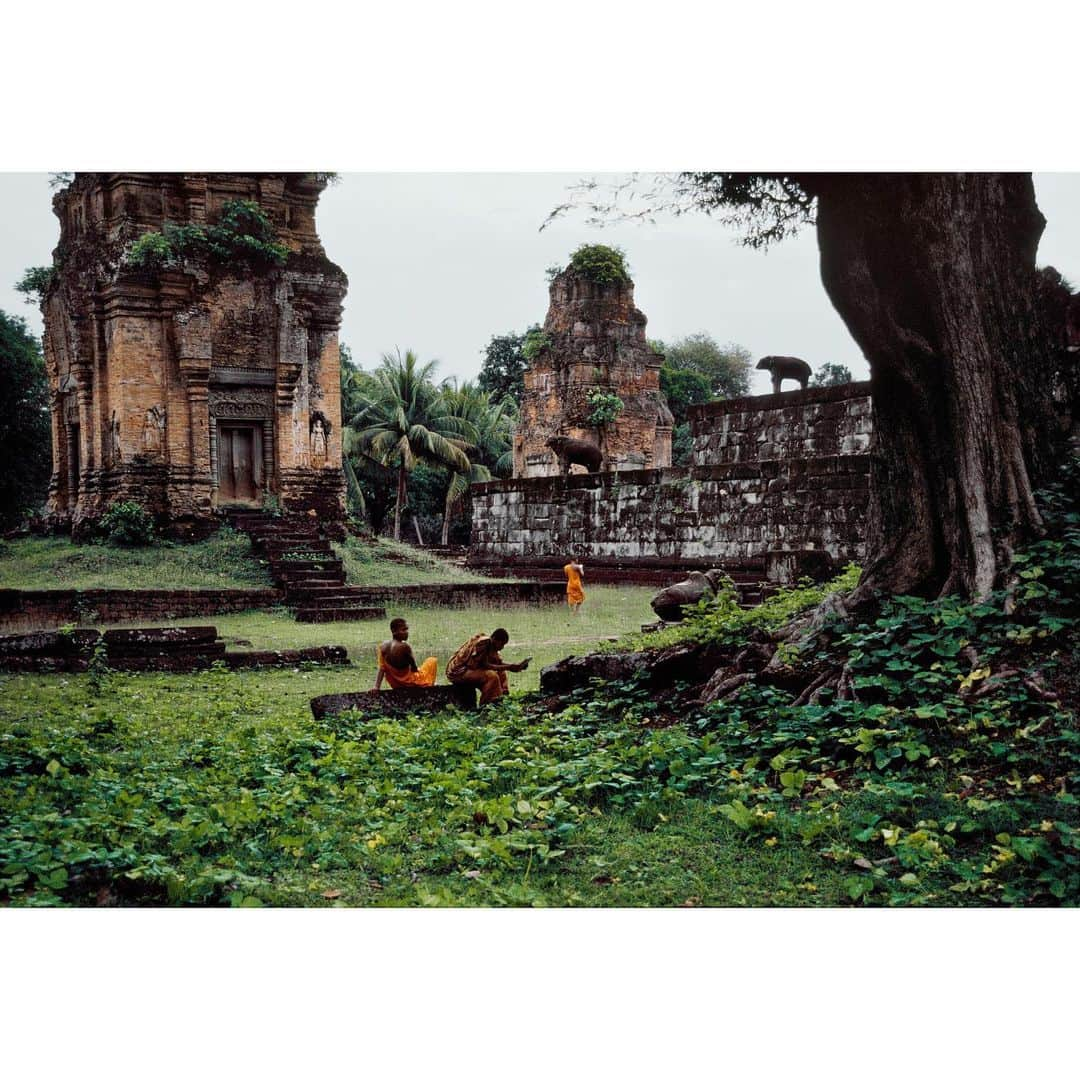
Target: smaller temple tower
593	340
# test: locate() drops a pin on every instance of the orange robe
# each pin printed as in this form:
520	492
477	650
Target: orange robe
575	594
399	678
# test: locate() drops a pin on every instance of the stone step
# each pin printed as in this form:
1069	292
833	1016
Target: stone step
307	568
338	614
276	547
333	597
317	575
270	536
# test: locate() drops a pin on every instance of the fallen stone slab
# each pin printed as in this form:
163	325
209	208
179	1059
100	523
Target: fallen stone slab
48	643
140	640
318	654
45	664
178	660
413	699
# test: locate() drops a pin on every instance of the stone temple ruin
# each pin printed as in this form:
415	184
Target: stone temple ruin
593	338
777	488
195	385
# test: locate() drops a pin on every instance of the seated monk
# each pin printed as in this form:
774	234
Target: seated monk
478	662
398	665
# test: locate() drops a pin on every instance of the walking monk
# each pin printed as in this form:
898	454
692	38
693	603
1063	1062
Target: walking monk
575	594
478	662
398	665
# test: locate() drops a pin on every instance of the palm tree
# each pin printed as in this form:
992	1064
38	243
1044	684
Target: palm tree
403	418
491	450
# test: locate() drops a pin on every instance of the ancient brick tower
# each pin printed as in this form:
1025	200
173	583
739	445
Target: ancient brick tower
593	338
201	382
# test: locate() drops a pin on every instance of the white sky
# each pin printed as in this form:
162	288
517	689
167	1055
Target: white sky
439	262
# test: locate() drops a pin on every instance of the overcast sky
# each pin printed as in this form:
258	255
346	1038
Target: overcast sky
439	262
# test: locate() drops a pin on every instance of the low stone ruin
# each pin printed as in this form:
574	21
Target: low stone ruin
165	648
777	488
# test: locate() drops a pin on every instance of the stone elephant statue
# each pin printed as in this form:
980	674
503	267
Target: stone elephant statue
668	603
576	452
785	367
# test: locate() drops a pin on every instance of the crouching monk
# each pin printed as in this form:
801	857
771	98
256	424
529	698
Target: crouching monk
397	665
478	662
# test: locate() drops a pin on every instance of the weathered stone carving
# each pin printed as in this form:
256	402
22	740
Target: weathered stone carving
153	429
785	367
114	457
240	402
593	338
157	371
318	439
576	452
669	603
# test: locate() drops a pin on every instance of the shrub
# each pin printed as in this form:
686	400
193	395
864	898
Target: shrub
535	341
604	406
243	236
127	524
36	282
151	252
599	263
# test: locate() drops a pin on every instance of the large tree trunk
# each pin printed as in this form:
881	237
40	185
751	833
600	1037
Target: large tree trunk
934	275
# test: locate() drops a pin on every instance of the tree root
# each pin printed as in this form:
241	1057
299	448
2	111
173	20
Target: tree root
725	688
822	682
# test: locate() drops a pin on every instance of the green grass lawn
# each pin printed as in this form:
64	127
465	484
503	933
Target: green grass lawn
547	632
220	788
385	562
224	561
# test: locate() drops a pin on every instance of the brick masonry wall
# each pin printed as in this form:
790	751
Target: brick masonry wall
33	609
775	477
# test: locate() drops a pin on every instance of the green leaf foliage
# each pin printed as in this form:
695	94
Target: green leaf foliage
25	441
127	524
242	237
604	406
600	264
36	283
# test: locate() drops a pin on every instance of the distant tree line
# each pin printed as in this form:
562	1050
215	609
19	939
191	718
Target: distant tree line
413	446
25	441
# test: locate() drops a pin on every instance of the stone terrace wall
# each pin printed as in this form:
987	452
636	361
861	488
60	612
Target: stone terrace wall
40	609
826	422
779	486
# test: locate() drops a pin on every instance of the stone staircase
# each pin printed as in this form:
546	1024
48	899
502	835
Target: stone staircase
303	564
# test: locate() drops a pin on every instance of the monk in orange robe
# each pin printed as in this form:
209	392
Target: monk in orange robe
575	594
397	665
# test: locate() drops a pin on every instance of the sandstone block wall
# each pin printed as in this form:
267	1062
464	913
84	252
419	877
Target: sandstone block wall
828	422
775	480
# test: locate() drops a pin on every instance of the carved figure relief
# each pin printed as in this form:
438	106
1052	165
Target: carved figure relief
241	402
319	429
113	441
154	429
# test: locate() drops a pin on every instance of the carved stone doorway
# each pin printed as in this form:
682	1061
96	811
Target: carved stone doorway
239	458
